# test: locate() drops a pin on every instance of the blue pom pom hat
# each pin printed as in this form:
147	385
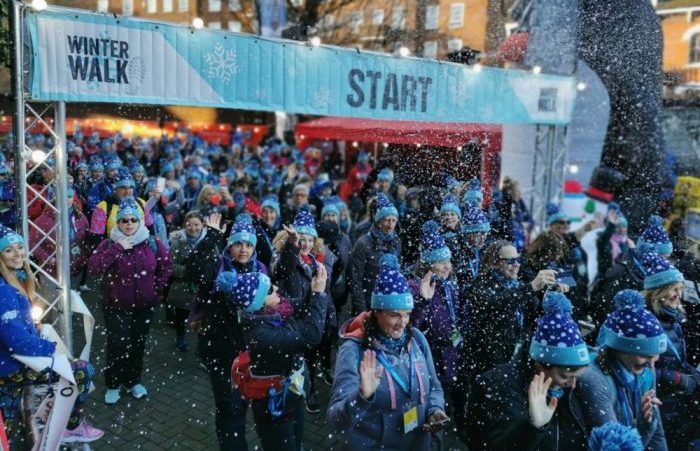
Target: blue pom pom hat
449	204
659	271
631	328
475	221
248	291
124	179
554	213
655	235
557	340
304	223
8	237
391	291
128	207
242	230
384	208
474	195
433	247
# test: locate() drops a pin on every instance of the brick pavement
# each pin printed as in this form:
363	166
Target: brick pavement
178	413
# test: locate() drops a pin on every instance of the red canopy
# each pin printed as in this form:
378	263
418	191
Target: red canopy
445	134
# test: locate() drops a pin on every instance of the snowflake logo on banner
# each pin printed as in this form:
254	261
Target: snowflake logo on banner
222	64
322	99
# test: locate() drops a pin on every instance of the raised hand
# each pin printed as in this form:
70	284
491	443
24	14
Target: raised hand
540	412
318	282
370	374
544	278
292	232
649	400
214	221
427	286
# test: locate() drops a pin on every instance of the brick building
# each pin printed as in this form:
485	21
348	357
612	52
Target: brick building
680	23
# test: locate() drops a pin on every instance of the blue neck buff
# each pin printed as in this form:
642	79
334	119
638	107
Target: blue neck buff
21	275
383	237
393	344
672	312
193	240
557	392
505	281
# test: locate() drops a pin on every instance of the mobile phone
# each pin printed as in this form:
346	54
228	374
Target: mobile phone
160	184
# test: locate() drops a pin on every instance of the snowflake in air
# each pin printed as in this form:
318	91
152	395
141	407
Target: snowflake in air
322	99
222	64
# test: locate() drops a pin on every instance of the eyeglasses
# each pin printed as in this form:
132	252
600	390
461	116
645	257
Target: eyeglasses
511	260
563	222
128	220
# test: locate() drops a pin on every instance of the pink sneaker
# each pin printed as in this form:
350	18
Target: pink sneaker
84	433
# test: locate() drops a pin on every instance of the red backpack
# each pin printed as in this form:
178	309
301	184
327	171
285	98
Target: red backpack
249	386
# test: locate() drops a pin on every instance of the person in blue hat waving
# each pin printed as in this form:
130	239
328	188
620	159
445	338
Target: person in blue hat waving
621	385
386	394
530	400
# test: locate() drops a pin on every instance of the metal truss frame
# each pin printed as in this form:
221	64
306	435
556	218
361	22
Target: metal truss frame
549	169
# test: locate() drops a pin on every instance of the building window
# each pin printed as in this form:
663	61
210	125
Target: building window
234	5
356	21
695	49
214	6
377	17
151	6
456	15
454	45
398	18
102	6
214	25
430	49
183	5
432	17
167	6
128	7
235	26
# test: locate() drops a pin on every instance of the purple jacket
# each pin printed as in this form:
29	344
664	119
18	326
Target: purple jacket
133	279
433	318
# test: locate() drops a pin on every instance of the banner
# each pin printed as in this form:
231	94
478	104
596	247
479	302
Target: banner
92	57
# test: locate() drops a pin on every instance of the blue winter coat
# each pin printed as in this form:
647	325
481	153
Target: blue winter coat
600	405
17	332
370	424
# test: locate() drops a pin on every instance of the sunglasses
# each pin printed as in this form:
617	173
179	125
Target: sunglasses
128	220
562	222
511	260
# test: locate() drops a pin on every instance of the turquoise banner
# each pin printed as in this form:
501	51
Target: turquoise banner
91	57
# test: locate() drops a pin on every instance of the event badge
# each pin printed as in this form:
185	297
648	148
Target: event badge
296	382
75	250
410	420
456	338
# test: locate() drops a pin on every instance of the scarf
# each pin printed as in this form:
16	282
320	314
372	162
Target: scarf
393	344
504	281
139	237
21	275
385	238
627	382
193	241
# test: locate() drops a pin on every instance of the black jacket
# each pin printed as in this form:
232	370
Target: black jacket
499	418
626	273
499	318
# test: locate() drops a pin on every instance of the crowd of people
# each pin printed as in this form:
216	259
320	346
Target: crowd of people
425	309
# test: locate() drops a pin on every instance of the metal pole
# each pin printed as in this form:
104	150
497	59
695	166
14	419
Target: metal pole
62	236
18	118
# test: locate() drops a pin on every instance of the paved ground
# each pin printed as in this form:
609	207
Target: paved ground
178	414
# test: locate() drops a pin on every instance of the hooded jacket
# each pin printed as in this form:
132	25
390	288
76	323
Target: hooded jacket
364	267
377	422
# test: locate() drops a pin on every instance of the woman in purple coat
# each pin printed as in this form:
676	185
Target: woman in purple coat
135	268
437	312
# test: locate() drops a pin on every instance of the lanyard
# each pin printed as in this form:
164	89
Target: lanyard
406	387
448	299
474	264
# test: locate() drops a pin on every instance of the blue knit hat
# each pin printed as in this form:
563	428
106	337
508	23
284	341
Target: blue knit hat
631	328
167	167
194	174
247	291
658	271
124	179
449	203
656	235
384	208
433	247
8	237
474	194
451	183
614	436
329	208
271	202
112	163
81	164
391	291
475	221
242	230
557	340
622	220
554	213
304	223
338	202
136	168
96	164
128	206
385	175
